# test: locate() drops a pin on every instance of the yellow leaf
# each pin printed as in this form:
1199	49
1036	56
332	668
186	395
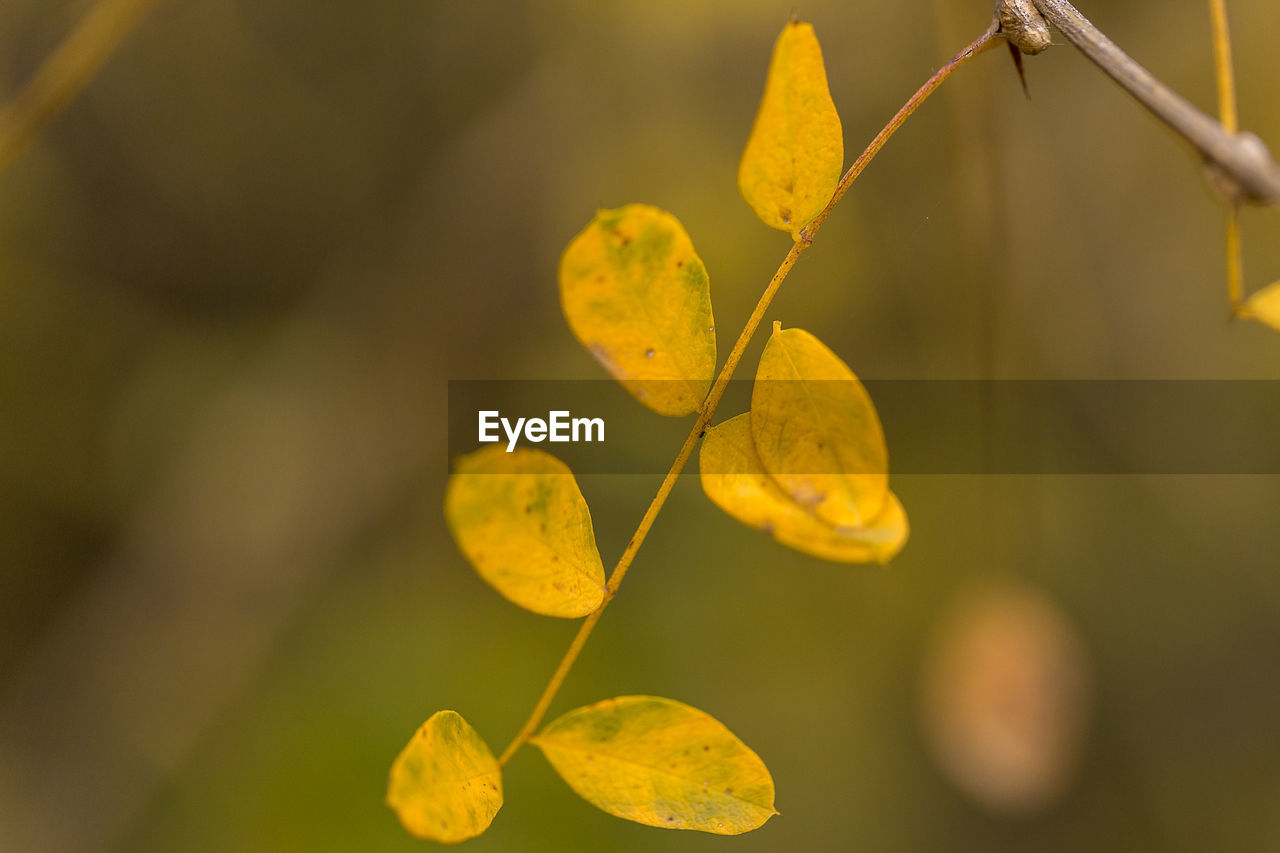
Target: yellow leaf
816	431
734	478
445	784
1264	306
662	763
637	297
792	162
523	524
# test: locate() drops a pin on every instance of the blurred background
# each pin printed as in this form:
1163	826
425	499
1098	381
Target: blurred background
237	274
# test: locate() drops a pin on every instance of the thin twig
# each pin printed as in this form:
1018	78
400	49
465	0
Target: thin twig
1240	157
1222	61
981	43
1235	259
1230	121
722	383
67	71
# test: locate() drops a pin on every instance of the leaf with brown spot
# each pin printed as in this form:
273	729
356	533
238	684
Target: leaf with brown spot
445	784
521	521
736	481
637	296
662	763
795	153
816	431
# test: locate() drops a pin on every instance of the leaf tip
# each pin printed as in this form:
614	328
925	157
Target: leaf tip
445	785
1263	306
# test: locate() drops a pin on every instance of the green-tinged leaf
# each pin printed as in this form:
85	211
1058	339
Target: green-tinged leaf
637	297
523	524
792	162
445	784
734	478
1264	306
816	431
662	763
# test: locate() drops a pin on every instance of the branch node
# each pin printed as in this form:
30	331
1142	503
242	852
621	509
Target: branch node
1023	25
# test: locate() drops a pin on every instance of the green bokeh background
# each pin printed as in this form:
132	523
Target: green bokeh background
238	272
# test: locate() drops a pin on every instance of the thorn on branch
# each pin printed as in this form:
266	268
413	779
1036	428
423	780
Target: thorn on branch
1017	63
